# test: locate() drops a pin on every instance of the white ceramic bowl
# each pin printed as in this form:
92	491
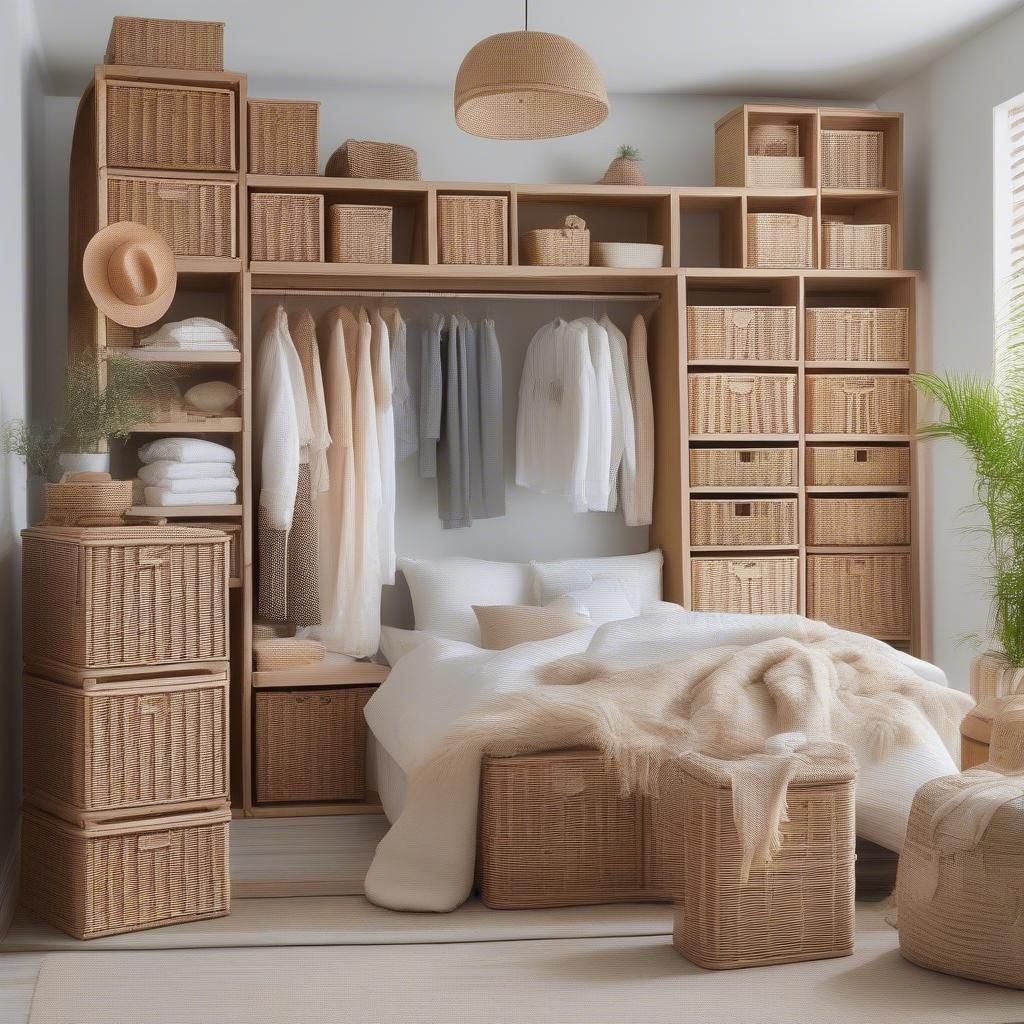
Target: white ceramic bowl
626	254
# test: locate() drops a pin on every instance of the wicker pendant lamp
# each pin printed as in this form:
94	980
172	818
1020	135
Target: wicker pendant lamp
528	85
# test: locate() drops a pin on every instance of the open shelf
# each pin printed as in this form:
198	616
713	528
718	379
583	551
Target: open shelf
329	672
185	511
222	425
148	355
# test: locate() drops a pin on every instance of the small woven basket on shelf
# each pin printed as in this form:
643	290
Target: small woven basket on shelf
776	171
764	523
856	333
472	229
780	241
284	136
858	522
568	246
847	246
741	332
358	158
166	43
743	467
271	654
359	234
753	586
286	227
87	499
773	140
867	593
835	466
742	403
858	404
851	159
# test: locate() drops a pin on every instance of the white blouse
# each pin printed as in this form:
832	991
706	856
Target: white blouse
599	458
623	427
382	392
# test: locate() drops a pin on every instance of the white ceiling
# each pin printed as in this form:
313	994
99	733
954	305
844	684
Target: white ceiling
820	48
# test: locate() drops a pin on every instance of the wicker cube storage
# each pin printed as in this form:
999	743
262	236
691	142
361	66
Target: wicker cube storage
869	593
556	831
116	597
773	140
472	229
166	43
169	127
286	227
196	217
851	159
848	466
284	136
359	158
768	522
858	522
854	334
311	744
858	404
799	906
742	403
359	234
125	876
568	246
741	332
127	747
753	586
743	467
856	246
780	241
776	171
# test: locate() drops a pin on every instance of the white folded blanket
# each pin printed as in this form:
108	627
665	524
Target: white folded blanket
162	496
185	449
203	485
157	473
197	332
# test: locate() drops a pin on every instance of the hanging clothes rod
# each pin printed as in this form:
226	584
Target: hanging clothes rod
373	293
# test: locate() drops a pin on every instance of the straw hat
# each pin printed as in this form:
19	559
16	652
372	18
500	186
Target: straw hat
130	272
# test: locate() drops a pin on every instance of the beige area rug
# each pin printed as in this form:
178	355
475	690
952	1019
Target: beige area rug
589	981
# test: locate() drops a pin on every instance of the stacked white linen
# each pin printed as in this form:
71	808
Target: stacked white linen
187	471
197	333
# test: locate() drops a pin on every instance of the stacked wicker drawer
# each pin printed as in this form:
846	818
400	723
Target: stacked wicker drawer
125	641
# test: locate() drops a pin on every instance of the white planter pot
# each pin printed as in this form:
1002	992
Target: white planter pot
84	462
993	676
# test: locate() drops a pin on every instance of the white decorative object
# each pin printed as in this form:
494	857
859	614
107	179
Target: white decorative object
212	396
84	462
632	255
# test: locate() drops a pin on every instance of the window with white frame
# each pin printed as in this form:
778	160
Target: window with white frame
1008	350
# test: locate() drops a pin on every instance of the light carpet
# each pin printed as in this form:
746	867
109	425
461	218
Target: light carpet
589	981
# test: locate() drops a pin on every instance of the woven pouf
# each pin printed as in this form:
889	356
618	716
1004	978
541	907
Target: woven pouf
797	906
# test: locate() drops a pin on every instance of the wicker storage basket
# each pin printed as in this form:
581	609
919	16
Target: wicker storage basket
124	596
472	229
359	234
994	675
857	467
776	171
273	653
858	522
126	747
855	246
741	332
743	467
780	241
567	246
556	831
773	140
286	227
197	218
311	744
284	136
233	531
868	593
799	906
742	403
179	127
749	585
763	523
125	876
357	158
162	43
854	334
851	159
858	404
87	503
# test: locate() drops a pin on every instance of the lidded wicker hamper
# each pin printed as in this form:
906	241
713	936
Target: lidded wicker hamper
743	467
741	332
472	229
286	227
165	43
753	586
742	403
359	234
567	246
767	522
358	158
858	522
869	593
871	334
858	404
780	241
851	159
284	136
846	465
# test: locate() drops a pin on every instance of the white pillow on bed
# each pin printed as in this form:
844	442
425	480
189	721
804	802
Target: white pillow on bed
604	600
640	576
396	643
445	590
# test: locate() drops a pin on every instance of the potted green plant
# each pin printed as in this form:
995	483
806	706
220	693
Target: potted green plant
625	168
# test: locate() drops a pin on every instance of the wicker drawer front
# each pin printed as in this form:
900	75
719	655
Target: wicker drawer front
311	744
858	333
286	228
124	596
197	218
284	137
125	876
749	585
743	467
762	523
180	128
126	746
742	403
866	593
856	246
858	521
162	43
741	332
359	234
847	466
851	159
861	404
472	229
780	241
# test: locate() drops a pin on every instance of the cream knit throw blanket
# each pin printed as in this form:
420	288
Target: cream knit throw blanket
810	679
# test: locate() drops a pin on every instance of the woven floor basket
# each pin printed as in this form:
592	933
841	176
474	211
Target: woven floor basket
163	43
868	593
125	876
358	158
798	907
568	246
856	246
286	228
764	523
780	241
858	467
124	596
472	229
851	159
743	467
741	332
359	234
181	127
742	403
102	503
853	334
284	136
858	522
858	404
748	585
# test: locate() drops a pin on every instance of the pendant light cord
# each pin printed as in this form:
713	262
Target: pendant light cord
526	15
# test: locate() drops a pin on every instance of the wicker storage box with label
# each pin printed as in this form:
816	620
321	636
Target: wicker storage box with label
741	332
780	241
114	597
868	593
567	246
179	127
858	404
742	403
165	43
358	158
284	136
311	744
750	585
764	523
851	159
359	234
855	246
851	334
858	522
127	747
743	467
124	876
858	467
287	228
472	229
196	217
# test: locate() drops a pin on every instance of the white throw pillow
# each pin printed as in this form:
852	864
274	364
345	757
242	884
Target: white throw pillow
605	600
396	643
640	576
444	592
212	396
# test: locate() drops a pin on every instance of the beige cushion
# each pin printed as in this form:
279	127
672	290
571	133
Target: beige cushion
505	625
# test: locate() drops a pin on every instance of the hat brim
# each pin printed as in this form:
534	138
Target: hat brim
94	271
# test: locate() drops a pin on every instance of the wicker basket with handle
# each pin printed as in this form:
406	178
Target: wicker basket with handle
358	158
472	229
851	159
855	246
87	499
855	333
858	522
165	43
850	466
743	467
284	136
764	523
741	332
753	586
286	227
867	593
568	246
359	234
858	404
780	241
742	403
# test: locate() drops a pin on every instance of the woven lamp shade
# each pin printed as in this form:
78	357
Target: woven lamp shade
528	85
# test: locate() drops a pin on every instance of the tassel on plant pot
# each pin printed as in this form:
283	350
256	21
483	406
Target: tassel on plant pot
625	168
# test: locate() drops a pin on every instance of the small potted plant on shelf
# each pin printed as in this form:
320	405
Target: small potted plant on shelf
625	168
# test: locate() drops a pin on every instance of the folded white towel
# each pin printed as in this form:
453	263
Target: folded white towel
157	473
198	486
197	332
185	449
162	496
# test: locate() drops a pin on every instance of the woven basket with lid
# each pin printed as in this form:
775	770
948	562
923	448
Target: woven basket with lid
567	246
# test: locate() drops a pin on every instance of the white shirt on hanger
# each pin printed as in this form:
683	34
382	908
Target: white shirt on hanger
623	426
599	460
